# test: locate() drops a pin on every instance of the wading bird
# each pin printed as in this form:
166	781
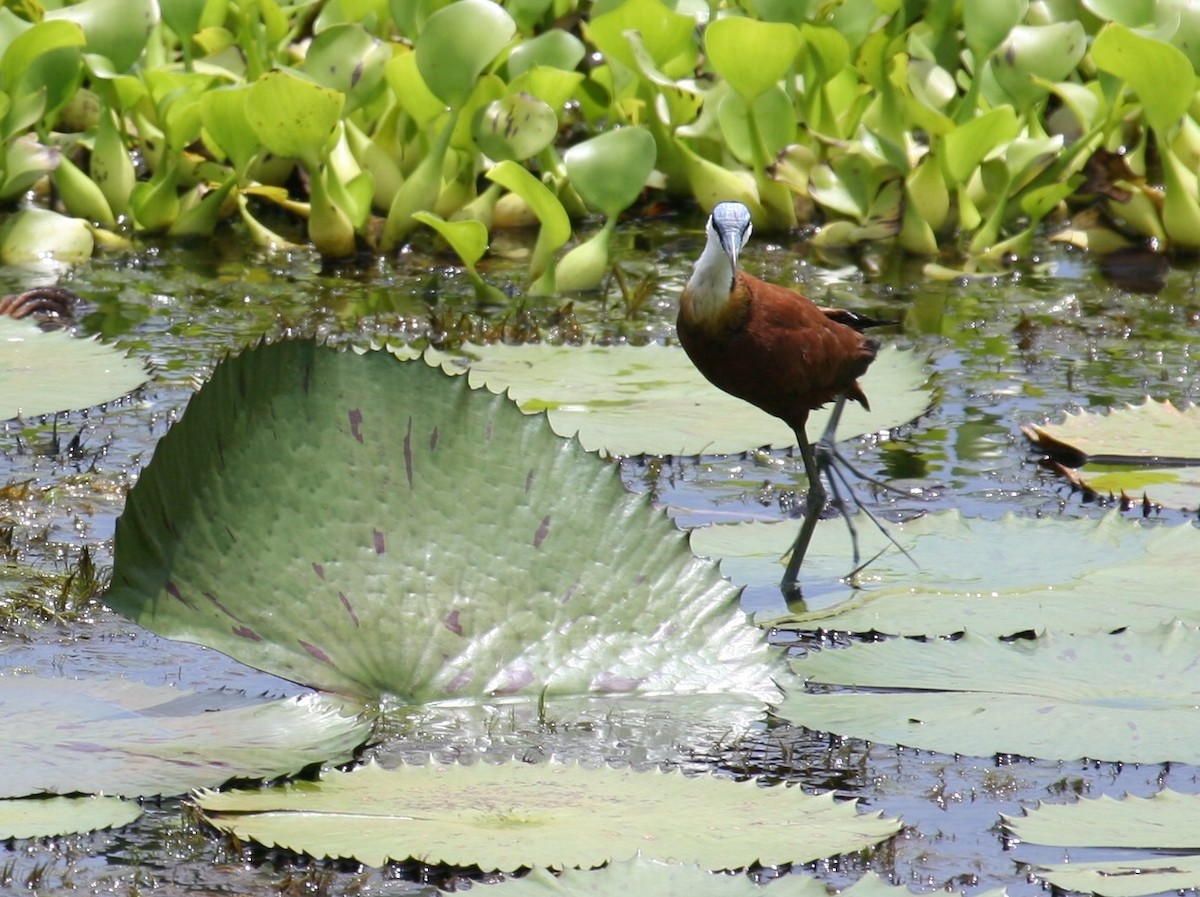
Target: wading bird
778	350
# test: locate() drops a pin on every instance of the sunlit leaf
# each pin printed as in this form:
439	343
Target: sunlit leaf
1160	74
293	117
610	170
517	127
1128	695
121	737
627	400
457	43
558	815
427	541
751	55
116	29
1167	821
667	35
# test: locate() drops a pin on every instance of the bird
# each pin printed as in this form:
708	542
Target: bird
778	350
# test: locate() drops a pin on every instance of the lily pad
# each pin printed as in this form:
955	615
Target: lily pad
992	577
1125	878
1167	821
645	876
51	816
121	737
45	372
627	400
371	526
1152	449
557	815
1128	696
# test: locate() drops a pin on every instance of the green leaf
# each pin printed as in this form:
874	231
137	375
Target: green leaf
457	43
39	238
428	541
556	49
610	170
1160	74
630	400
1151	431
1167	821
293	117
556	226
966	146
349	59
668	36
50	817
1127	696
121	737
115	29
1032	52
224	115
751	55
558	815
518	127
469	240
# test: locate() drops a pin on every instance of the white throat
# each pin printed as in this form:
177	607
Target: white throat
711	281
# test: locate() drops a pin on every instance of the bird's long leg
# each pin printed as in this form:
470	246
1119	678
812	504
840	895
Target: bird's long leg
813	505
826	455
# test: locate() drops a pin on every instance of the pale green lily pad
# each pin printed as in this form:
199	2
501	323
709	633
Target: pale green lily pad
992	577
1129	696
1152	431
45	372
1151	450
371	526
52	816
1126	878
630	400
121	737
640	875
1167	821
556	815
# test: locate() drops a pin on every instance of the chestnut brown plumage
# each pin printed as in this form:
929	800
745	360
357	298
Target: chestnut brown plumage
774	348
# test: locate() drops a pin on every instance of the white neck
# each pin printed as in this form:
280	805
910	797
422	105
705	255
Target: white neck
711	280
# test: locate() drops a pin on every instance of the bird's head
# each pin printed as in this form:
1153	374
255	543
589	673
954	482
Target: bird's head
730	226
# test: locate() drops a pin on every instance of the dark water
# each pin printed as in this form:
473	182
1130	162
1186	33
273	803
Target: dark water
1050	336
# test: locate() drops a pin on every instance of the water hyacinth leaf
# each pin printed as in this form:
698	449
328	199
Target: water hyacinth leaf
751	55
44	61
349	59
555	49
515	127
121	737
48	817
115	29
640	875
429	542
767	127
469	240
1160	74
555	224
994	577
668	36
457	43
966	146
548	815
1031	54
224	117
1127	696
293	117
42	373
631	400
610	170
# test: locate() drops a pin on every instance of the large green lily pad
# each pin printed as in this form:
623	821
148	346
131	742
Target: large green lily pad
558	815
627	400
994	577
1138	877
44	372
1128	696
371	526
120	737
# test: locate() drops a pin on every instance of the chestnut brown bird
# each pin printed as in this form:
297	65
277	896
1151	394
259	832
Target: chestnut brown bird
775	349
